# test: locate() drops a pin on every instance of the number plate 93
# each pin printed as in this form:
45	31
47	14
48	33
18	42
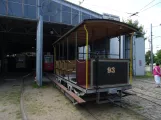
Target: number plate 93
111	70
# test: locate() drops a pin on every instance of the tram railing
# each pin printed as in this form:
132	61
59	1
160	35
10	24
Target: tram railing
100	55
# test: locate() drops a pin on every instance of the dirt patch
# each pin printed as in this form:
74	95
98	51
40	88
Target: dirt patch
50	104
9	101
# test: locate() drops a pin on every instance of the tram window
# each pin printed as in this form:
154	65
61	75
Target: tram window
48	60
82	52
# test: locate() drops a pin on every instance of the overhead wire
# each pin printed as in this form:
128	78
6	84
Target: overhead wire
147	5
146	8
151	6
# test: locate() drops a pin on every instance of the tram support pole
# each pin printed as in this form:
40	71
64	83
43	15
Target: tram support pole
39	47
119	47
131	57
86	56
67	50
55	60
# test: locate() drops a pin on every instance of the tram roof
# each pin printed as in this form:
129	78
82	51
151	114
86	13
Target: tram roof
97	29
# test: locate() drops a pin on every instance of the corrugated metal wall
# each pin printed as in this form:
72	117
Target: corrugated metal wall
138	54
57	11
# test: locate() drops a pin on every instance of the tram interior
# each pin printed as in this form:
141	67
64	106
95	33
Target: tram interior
71	61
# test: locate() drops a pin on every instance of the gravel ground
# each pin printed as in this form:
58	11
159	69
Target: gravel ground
48	103
148	99
10	100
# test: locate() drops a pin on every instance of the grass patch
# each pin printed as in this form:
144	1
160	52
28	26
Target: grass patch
147	75
36	108
138	107
4	110
12	97
34	85
18	115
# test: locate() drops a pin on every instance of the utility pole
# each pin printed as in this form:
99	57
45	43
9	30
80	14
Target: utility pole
151	50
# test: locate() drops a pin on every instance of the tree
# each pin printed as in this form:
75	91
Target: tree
148	57
141	32
158	56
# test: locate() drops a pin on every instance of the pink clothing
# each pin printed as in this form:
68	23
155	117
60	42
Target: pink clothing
157	71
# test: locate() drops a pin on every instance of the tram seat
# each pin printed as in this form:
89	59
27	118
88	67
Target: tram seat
57	67
61	67
64	68
71	66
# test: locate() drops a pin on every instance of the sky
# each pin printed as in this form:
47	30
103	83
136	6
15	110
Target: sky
122	8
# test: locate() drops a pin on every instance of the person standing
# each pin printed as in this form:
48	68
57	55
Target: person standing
157	75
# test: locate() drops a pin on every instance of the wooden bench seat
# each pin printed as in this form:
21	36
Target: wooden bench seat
64	67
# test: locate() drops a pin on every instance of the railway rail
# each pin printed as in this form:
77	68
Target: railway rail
23	113
145	81
124	104
147	90
144	96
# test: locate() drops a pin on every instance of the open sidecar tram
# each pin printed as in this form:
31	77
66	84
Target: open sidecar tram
83	64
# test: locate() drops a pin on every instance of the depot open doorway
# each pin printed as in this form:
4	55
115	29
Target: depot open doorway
18	42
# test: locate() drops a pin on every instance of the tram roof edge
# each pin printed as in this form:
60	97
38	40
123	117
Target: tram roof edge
120	25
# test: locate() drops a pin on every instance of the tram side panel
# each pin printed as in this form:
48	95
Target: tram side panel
81	72
104	73
110	72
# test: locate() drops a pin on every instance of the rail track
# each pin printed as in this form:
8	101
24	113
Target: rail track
150	99
124	105
24	115
144	96
145	80
147	90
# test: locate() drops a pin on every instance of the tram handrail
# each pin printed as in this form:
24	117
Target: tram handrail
86	56
131	57
81	62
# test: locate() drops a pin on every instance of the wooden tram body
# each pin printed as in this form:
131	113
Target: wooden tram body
92	78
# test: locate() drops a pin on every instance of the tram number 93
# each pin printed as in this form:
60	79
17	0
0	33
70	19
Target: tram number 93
111	70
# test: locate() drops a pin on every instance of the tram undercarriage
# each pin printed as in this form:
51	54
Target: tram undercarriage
96	91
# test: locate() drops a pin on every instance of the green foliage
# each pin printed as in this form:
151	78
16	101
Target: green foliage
147	75
148	57
141	32
158	56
